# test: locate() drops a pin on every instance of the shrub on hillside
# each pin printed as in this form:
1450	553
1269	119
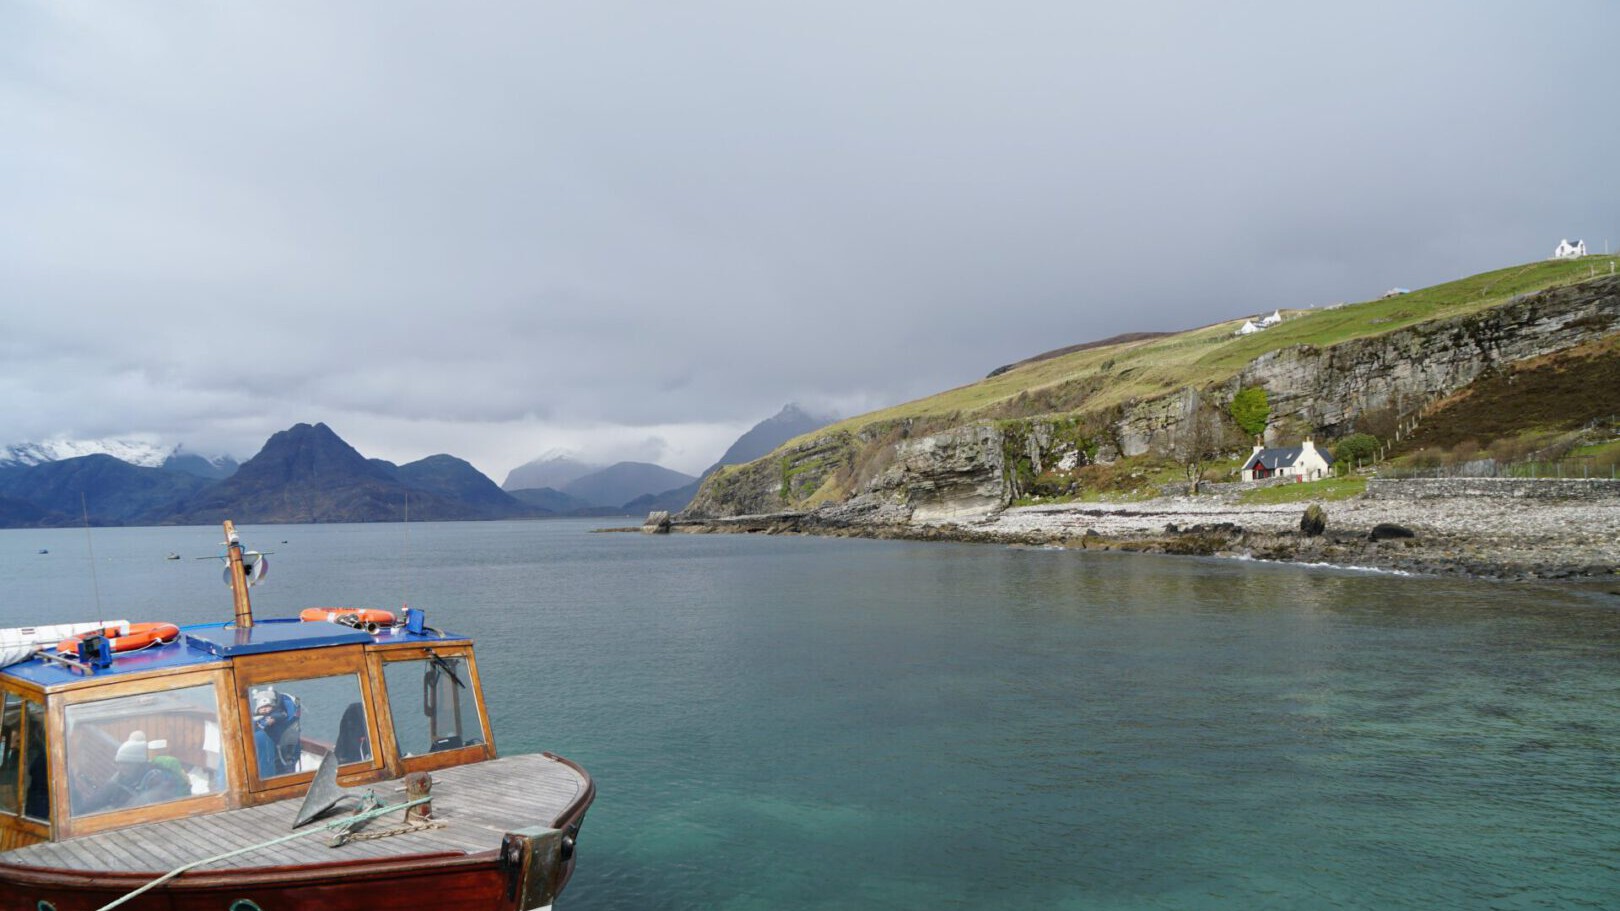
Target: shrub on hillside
1356	449
1251	410
1463	453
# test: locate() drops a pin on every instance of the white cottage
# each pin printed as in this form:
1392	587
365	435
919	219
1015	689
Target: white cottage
1272	320
1303	462
1248	328
1567	250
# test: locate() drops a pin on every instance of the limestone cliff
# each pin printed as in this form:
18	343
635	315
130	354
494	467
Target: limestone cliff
928	463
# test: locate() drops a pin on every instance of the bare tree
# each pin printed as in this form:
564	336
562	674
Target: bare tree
1198	442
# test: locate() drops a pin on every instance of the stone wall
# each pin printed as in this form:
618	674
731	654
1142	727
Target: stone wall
1520	488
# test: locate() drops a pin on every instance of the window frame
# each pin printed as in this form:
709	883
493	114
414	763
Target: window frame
289	667
17	828
67	825
400	764
8	696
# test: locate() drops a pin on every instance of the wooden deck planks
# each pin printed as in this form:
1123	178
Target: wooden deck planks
476	802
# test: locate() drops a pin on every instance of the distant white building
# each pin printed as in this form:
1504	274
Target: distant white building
1248	328
1397	292
1567	250
1303	463
1272	320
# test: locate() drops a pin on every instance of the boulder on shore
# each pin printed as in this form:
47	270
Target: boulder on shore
1314	521
1385	531
657	523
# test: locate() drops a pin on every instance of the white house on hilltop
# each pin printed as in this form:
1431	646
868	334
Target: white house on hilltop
1567	250
1251	326
1303	463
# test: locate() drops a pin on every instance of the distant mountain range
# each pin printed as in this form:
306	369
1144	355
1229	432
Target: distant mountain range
308	473
571	487
551	470
758	442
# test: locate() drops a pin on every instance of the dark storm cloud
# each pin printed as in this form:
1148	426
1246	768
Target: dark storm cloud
520	227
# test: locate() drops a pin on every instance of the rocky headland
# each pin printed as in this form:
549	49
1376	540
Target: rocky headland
1087	434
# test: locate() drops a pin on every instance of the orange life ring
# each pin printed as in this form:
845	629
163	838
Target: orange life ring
360	614
140	635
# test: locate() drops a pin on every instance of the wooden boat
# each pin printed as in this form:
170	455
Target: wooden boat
121	763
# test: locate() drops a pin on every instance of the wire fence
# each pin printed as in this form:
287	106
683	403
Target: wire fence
1576	467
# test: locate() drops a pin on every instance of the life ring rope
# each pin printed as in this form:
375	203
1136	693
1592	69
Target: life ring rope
120	640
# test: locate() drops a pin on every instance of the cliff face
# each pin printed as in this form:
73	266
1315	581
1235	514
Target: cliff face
1327	388
893	473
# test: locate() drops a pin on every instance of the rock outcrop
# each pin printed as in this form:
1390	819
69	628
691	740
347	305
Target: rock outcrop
950	469
1314	521
1325	389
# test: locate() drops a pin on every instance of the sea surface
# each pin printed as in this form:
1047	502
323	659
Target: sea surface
804	723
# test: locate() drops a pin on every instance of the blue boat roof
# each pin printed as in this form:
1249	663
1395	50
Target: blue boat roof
206	643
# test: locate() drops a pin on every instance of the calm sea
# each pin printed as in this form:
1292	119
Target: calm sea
796	723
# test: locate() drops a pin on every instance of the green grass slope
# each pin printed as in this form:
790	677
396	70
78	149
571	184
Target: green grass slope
1098	378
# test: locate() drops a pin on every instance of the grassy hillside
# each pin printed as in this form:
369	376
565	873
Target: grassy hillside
1132	413
1101	377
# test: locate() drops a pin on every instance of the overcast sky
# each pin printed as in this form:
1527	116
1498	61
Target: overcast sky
631	230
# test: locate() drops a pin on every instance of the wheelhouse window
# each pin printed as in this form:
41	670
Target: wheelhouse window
11	761
144	749
433	705
297	722
36	778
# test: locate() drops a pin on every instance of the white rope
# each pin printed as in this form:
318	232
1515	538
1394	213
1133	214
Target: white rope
332	824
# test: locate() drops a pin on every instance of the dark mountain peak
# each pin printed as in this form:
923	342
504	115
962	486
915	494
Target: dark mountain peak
309	453
763	438
307	473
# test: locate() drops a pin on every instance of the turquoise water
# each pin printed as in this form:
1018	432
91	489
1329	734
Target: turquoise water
797	723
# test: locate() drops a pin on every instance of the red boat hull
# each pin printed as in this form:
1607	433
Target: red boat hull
477	881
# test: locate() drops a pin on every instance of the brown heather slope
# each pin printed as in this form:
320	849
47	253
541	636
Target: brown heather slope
1563	391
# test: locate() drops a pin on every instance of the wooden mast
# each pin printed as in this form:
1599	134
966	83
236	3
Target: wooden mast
239	589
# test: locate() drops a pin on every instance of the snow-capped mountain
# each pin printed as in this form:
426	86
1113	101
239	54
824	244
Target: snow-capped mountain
144	453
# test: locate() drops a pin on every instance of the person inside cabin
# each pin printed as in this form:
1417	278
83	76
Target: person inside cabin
138	779
277	740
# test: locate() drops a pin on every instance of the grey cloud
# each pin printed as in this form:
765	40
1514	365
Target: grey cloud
503	215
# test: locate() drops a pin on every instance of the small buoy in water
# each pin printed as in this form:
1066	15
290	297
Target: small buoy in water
43	551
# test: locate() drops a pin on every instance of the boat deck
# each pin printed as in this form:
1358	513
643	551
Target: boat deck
478	803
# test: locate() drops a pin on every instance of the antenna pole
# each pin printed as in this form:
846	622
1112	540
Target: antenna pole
89	545
405	576
233	556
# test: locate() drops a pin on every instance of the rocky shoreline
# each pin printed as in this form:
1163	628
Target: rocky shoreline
1482	537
